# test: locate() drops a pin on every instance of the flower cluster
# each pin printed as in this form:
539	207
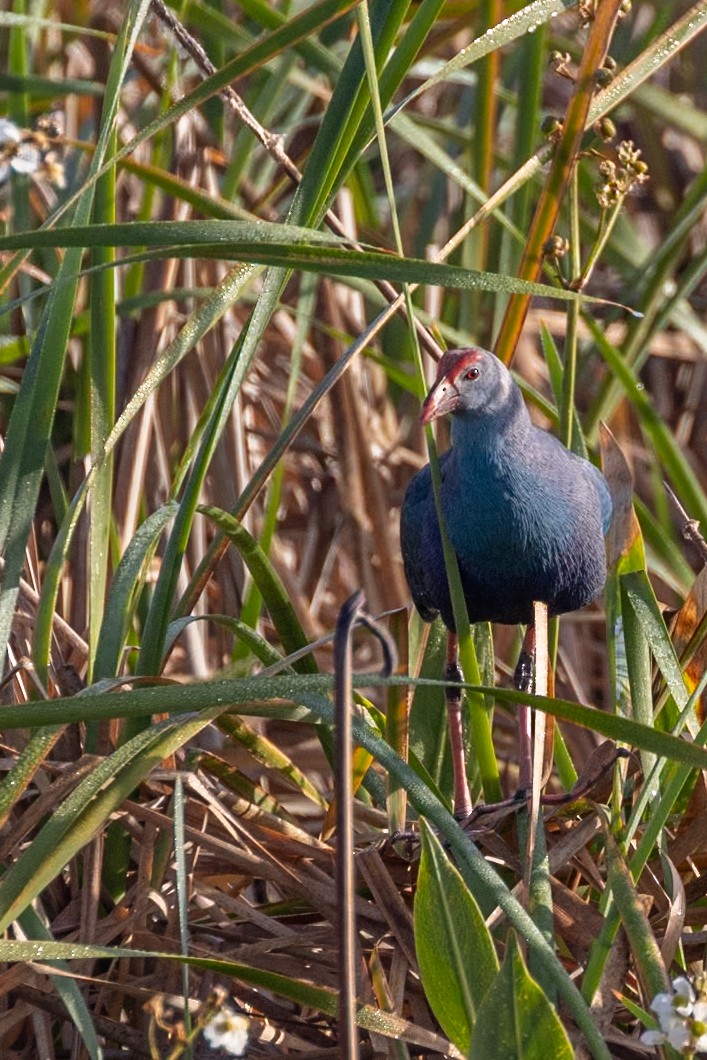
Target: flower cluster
228	1030
620	178
682	1015
31	151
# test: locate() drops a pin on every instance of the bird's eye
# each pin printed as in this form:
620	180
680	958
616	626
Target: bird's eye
473	373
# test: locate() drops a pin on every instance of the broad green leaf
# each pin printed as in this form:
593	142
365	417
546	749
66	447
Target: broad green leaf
100	374
637	660
516	1021
640	593
455	950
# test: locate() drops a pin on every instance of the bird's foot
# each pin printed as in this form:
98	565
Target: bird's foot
452	673
523	677
486	817
452	694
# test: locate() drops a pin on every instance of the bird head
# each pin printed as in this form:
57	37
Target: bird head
468	380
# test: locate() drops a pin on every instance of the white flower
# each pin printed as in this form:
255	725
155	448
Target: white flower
653	1038
679	1034
26	158
16	153
228	1030
9	133
684	995
682	1015
662	1005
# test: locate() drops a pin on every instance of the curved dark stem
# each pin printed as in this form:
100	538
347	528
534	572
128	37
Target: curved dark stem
343	793
390	655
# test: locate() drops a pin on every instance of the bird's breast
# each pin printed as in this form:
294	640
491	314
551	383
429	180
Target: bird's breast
510	520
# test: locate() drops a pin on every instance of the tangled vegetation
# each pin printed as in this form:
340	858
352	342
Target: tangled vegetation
236	238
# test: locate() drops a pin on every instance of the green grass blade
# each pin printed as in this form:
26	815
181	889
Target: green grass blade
322	998
88	809
66	987
29	429
283	614
124	589
101	412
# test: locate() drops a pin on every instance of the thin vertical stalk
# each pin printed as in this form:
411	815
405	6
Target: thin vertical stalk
18	110
481	150
182	899
345	869
564	158
529	100
569	375
102	375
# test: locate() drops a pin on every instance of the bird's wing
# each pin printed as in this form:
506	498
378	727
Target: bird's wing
418	503
547	451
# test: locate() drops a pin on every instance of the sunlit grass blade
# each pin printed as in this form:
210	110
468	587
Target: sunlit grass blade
33	927
101	390
322	998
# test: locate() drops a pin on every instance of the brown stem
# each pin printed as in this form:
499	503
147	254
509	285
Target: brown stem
563	159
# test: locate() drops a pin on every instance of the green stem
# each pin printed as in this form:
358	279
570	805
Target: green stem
606	227
481	734
569	375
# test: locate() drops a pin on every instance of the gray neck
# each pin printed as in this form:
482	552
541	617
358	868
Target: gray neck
493	429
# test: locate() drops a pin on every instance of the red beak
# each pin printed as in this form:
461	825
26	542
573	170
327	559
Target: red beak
442	398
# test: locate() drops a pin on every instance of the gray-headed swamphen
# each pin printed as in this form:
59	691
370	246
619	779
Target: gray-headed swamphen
526	517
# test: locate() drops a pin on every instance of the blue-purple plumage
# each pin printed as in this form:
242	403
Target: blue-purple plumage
525	516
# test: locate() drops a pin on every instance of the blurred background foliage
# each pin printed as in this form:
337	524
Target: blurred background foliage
229	256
